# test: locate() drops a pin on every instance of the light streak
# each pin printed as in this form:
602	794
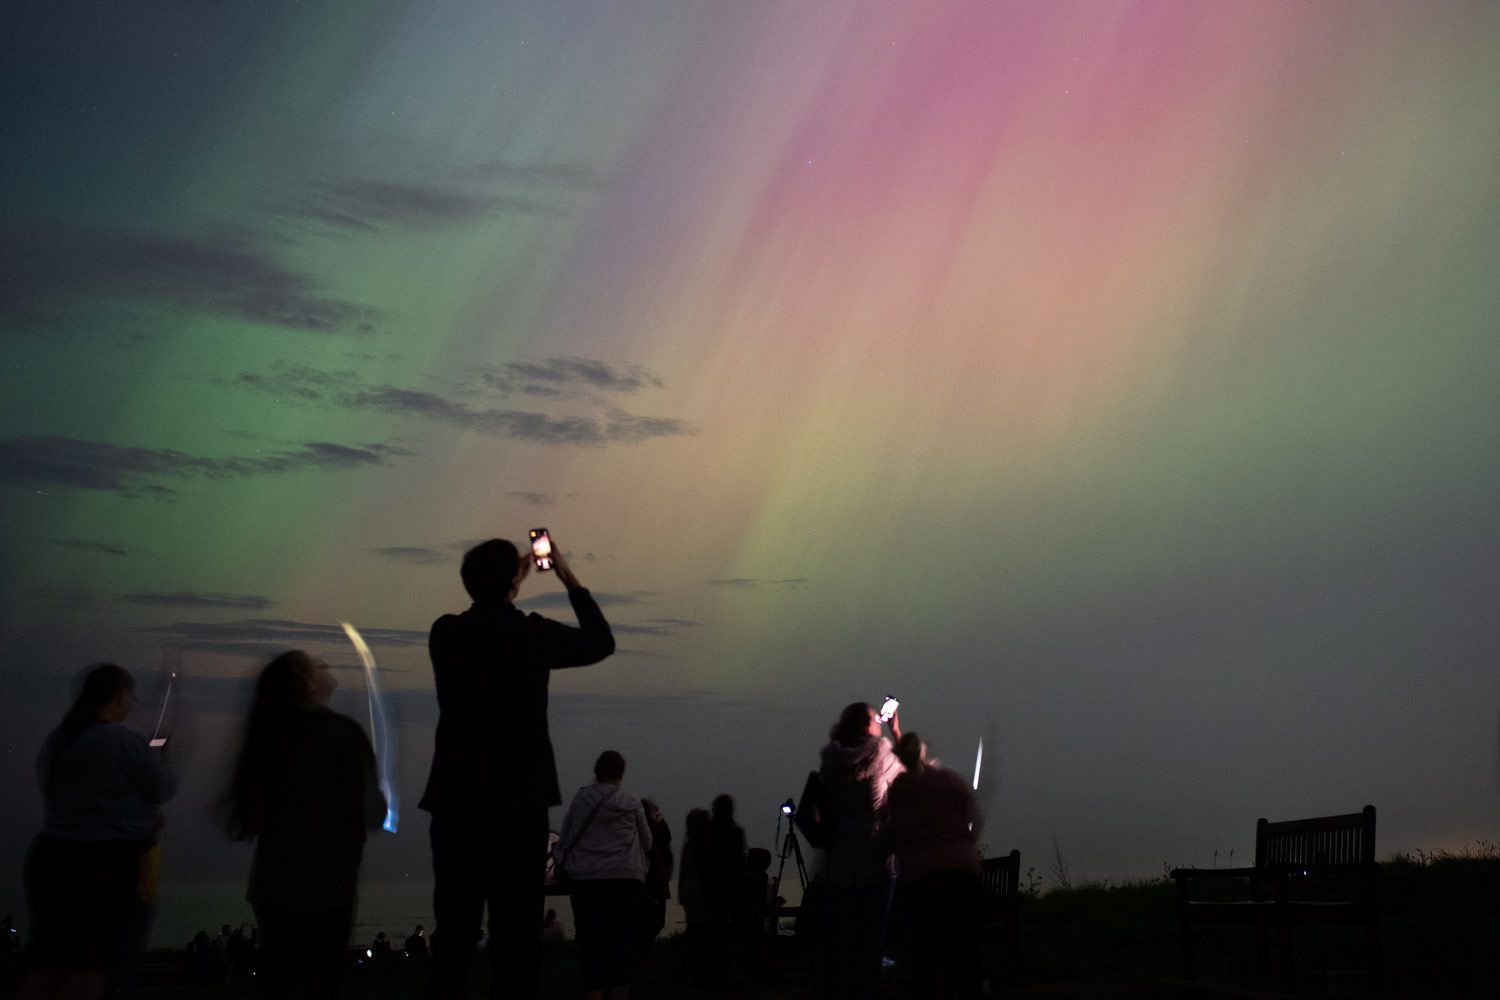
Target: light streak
166	700
978	759
381	732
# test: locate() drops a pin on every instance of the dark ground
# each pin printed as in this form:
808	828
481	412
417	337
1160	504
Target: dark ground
1440	917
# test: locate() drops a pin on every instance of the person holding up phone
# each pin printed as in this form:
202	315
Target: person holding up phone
493	772
858	767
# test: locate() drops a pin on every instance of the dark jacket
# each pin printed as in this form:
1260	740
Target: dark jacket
492	664
309	847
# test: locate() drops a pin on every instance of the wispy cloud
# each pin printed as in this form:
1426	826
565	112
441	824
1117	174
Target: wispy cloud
233	275
656	626
342	389
414	555
89	545
751	583
604	598
535	499
38	462
260	636
198	599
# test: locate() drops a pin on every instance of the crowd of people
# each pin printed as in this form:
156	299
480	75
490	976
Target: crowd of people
304	789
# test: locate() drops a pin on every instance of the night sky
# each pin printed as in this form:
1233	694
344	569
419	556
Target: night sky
1118	383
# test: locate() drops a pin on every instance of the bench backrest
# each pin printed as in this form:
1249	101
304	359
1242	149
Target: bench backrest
1322	841
1000	879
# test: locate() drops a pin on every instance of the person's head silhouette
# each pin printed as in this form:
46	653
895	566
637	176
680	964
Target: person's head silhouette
493	570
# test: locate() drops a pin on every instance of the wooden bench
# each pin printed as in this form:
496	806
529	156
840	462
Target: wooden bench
1000	907
1307	871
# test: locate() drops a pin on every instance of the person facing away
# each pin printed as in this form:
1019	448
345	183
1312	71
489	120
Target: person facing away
723	868
493	773
603	845
695	945
101	785
416	943
931	824
304	788
858	766
658	879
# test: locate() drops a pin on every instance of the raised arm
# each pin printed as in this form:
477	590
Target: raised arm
591	641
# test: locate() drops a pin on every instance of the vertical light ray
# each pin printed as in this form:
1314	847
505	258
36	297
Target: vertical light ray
382	735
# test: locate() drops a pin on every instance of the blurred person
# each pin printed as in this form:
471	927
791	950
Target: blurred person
304	788
603	846
858	766
690	894
931	822
416	943
493	773
658	879
101	785
723	868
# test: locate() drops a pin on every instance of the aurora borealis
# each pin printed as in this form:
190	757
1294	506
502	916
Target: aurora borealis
1116	382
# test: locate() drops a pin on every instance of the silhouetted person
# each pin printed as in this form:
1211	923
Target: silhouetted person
930	821
304	788
755	909
695	944
380	948
603	844
858	766
723	868
658	879
493	775
100	786
416	943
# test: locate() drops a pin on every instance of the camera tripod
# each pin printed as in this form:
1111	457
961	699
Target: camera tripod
791	847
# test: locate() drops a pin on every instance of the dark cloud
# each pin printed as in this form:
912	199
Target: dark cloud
195	599
50	269
558	599
656	626
540	174
90	545
97	465
535	499
292	381
548	375
260	636
370	205
415	555
749	583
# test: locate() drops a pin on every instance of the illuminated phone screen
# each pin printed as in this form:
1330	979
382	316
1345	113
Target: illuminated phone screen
541	548
158	742
888	709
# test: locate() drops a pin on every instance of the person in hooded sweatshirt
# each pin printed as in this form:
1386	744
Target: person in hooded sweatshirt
603	847
858	766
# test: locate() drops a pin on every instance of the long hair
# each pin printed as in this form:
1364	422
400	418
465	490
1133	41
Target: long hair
853	725
270	742
102	684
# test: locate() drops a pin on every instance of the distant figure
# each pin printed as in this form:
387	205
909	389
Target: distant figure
723	868
100	786
493	776
416	944
695	946
858	766
658	879
304	788
602	846
755	910
552	928
380	948
930	821
205	965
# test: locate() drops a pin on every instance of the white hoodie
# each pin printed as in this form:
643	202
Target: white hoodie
615	844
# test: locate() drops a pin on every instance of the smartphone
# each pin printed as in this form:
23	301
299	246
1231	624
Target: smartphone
888	708
541	548
159	741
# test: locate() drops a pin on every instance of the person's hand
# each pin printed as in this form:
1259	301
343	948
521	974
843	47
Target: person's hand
561	568
895	724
